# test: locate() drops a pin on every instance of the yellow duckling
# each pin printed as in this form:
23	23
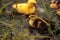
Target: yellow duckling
58	12
56	5
25	8
53	4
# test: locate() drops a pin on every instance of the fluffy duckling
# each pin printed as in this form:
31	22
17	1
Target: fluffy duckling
53	4
38	25
56	4
25	8
58	7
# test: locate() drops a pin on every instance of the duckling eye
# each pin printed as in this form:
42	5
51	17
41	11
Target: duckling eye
33	3
32	16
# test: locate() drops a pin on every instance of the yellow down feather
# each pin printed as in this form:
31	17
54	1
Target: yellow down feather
58	12
32	19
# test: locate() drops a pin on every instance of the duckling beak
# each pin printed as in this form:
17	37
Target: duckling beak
14	6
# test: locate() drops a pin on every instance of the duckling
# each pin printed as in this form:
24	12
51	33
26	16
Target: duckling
53	4
25	8
38	25
56	5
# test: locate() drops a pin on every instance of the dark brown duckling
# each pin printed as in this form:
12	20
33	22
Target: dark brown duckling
38	25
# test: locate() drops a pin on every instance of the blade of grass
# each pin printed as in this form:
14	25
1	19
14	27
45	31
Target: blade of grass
1	9
36	36
47	13
6	24
44	21
11	26
5	35
44	6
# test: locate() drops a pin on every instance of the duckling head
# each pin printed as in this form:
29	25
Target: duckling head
32	2
53	4
33	17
